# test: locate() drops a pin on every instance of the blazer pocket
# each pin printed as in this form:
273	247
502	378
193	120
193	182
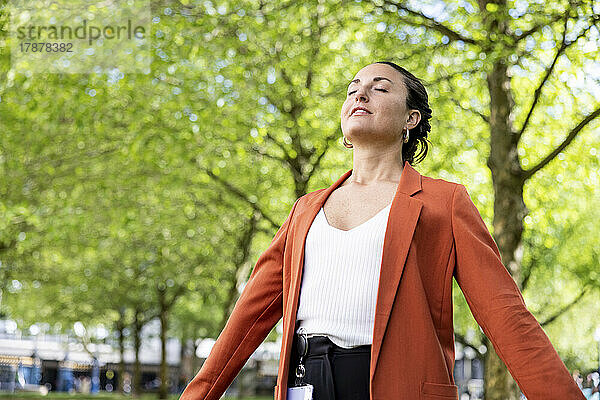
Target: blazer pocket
438	391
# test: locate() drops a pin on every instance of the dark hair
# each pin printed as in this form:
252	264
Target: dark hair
415	100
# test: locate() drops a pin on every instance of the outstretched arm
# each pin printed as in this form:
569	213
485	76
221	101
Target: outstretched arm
256	312
499	308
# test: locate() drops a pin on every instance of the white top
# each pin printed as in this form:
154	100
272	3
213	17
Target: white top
340	280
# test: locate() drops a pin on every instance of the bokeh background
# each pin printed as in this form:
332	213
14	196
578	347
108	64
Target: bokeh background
133	206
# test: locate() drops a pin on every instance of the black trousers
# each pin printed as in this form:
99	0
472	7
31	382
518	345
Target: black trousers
335	372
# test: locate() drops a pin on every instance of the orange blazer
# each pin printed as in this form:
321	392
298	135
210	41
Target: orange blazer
434	233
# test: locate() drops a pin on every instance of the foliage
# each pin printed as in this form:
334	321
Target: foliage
114	188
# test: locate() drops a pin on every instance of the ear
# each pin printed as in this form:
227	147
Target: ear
413	119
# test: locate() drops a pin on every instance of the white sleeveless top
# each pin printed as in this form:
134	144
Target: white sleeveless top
340	280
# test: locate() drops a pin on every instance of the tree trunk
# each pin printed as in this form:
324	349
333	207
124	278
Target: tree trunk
195	359
137	342
509	211
183	360
121	371
163	391
186	371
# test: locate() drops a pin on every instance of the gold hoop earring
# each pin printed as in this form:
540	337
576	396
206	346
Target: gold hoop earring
347	144
406	136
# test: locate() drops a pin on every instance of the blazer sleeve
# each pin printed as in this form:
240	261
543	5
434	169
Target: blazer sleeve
499	308
256	312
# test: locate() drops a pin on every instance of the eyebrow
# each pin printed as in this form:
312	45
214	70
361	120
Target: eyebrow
376	79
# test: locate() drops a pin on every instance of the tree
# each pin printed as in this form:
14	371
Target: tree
183	175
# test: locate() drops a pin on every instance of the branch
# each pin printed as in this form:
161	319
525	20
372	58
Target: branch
22	225
446	77
568	234
238	193
483	116
328	139
180	291
262	152
538	91
278	144
316	46
274	102
297	106
209	206
244	244
530	172
4	246
560	312
59	162
431	23
147	316
563	46
536	28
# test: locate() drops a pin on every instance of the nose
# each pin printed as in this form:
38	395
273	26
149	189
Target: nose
360	95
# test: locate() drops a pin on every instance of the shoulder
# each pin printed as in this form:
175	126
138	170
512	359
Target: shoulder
308	197
449	196
438	187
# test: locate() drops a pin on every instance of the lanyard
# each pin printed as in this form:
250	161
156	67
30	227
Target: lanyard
302	352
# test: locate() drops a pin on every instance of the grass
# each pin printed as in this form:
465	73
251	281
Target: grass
100	396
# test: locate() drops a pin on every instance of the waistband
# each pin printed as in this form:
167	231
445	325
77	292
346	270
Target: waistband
319	345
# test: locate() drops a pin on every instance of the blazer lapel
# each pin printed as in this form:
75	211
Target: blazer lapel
402	220
302	225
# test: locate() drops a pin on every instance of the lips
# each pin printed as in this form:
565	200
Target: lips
361	111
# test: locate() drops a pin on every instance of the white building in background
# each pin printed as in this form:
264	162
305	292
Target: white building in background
18	349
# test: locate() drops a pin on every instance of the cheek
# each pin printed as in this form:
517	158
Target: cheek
343	108
393	112
345	105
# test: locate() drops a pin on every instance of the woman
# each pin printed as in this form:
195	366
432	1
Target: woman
362	273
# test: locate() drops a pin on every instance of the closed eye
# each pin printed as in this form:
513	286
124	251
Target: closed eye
354	91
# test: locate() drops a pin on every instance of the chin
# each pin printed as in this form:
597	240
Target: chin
356	131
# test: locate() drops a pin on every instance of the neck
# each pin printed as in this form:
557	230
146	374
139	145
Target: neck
367	170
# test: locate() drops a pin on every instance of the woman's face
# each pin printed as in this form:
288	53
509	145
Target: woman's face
378	88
